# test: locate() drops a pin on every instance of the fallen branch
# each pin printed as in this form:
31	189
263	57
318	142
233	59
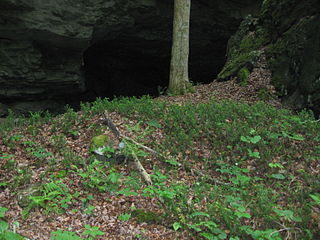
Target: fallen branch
106	121
140	145
137	163
141	169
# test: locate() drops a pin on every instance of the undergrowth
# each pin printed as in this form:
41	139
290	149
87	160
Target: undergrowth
250	170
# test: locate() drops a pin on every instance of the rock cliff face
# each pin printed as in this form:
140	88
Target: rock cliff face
54	51
288	33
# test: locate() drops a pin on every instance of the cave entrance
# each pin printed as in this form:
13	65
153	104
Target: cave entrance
114	69
139	67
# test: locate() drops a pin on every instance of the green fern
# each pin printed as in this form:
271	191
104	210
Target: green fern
54	187
54	196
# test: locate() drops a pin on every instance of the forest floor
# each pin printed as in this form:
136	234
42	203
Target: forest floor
235	169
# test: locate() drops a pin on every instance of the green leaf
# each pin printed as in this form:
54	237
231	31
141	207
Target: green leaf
296	137
278	176
173	162
297	219
242	214
255	139
3	226
274	135
3	211
89	209
209	224
196	214
114	177
127	192
124	217
12	236
244	139
276	165
64	235
252	131
154	123
287	214
222	235
195	227
316	197
253	154
92	231
208	236
176	226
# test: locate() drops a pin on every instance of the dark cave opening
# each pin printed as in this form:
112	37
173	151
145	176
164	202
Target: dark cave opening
138	67
114	69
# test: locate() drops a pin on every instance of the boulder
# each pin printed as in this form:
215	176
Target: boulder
288	33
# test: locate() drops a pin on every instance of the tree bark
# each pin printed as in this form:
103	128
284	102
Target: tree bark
179	79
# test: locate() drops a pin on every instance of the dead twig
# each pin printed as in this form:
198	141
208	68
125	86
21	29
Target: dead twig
141	169
107	121
140	145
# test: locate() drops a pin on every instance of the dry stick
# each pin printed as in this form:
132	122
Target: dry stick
138	164
120	135
140	145
141	169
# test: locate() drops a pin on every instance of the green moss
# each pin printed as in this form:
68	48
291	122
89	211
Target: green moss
146	216
244	47
276	48
99	141
254	40
233	66
243	75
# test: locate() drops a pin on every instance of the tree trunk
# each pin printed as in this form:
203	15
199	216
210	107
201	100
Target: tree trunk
179	79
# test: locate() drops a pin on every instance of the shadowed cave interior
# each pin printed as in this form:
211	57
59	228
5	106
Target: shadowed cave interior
135	68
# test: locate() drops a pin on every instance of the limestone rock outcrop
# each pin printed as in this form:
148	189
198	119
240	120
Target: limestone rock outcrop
288	33
54	51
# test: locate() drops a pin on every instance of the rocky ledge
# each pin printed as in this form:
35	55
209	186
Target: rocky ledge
59	51
288	33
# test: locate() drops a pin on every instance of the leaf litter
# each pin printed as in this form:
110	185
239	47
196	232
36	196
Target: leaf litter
109	206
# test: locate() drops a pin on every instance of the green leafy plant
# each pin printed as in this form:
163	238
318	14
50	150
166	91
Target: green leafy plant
92	232
95	177
232	170
124	217
89	210
54	197
5	233
316	198
287	215
10	162
64	235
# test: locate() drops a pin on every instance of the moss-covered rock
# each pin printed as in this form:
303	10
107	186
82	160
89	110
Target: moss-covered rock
99	141
288	32
23	195
244	48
